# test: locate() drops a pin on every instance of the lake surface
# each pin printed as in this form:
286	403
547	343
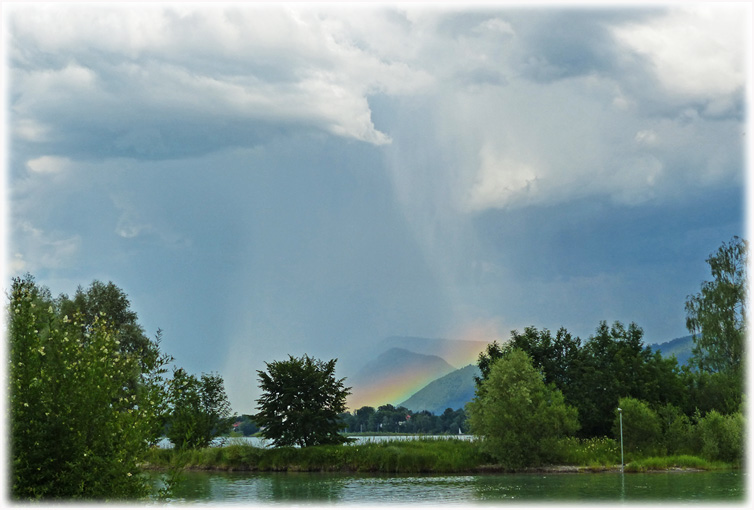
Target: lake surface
325	488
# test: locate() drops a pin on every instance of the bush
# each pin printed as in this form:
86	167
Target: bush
721	436
516	416
677	430
82	409
642	431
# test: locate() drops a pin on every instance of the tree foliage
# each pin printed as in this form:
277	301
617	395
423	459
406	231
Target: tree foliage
716	316
593	375
516	415
301	402
82	409
199	409
642	426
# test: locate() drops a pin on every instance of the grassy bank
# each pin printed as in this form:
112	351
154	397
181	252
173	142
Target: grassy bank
421	456
675	462
418	456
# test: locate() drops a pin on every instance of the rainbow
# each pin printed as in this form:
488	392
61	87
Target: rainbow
397	389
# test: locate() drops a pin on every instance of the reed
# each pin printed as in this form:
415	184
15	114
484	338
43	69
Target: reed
417	456
674	462
406	457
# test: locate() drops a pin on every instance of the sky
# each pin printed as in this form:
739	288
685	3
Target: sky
287	179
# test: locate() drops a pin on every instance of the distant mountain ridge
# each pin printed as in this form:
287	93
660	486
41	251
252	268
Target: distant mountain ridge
449	391
455	352
392	375
679	347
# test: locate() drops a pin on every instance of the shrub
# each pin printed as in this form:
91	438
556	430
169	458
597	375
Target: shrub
721	436
82	409
642	431
677	430
516	416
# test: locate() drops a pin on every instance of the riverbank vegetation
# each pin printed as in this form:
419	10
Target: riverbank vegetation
439	456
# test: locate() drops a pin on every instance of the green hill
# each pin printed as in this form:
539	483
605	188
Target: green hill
392	375
679	347
450	391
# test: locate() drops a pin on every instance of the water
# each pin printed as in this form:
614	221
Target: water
320	488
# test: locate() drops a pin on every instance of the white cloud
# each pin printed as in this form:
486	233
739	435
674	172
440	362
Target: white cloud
502	181
100	68
696	51
48	164
646	137
35	250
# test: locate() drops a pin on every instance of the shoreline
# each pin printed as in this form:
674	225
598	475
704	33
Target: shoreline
483	469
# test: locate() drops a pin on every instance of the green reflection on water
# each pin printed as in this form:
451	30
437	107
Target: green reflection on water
348	488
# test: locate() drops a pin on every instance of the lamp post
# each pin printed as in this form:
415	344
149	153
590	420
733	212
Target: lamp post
620	417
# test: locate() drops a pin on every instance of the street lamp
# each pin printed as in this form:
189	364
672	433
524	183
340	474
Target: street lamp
620	417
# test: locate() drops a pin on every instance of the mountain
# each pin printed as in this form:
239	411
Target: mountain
450	391
393	375
455	352
680	347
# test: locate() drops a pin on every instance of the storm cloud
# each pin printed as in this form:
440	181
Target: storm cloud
273	180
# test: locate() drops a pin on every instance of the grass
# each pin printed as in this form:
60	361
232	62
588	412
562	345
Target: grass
418	456
414	456
674	461
597	452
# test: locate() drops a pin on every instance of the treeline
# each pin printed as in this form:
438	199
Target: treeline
387	418
538	388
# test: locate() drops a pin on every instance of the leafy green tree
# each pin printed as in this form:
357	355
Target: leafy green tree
78	425
362	415
516	415
677	430
592	376
642	428
200	409
708	391
301	401
486	359
614	363
108	301
557	357
716	317
722	436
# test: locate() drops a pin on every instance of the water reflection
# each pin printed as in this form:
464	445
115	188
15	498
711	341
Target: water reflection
347	488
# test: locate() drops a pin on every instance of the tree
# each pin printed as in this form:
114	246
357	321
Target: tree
300	402
615	363
716	317
592	376
109	301
516	415
487	358
78	425
556	357
200	409
642	427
